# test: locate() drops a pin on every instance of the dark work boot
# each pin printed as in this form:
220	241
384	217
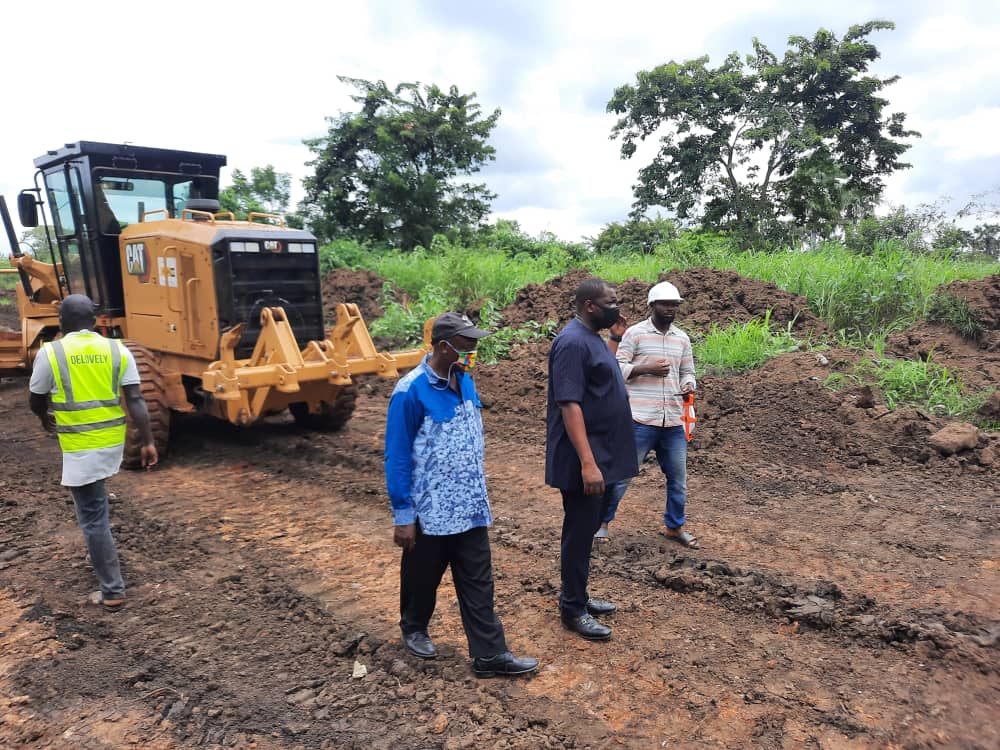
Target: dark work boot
599	607
505	664
419	644
588	627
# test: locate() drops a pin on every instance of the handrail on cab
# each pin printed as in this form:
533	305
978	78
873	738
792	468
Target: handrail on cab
261	215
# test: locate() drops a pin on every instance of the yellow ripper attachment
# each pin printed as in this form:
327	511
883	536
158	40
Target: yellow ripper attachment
277	373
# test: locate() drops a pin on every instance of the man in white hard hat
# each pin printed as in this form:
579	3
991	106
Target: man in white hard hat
658	367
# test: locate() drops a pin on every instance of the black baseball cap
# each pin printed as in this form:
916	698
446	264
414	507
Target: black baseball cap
455	324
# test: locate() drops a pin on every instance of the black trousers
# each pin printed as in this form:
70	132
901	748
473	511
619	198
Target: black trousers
582	516
420	574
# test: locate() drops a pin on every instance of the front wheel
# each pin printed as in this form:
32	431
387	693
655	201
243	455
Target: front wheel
331	416
154	394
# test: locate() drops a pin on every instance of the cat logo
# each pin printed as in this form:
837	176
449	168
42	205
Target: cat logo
137	260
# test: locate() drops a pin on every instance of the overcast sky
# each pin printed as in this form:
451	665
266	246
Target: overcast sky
251	80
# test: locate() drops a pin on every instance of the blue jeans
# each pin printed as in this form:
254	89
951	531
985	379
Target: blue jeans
91	501
671	453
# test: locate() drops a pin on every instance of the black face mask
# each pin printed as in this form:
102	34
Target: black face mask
608	317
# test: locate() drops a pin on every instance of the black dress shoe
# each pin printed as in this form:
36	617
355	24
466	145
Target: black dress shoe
588	627
419	644
598	607
505	664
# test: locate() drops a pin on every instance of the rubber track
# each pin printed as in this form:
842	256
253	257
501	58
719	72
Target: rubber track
154	393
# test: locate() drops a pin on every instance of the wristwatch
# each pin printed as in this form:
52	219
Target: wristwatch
616	339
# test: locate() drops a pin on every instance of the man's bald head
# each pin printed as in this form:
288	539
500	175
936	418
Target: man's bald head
76	313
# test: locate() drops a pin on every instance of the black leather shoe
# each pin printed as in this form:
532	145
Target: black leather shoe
598	607
419	644
588	627
505	664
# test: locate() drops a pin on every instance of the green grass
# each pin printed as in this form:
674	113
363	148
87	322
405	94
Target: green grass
954	312
406	325
7	280
862	298
740	347
922	383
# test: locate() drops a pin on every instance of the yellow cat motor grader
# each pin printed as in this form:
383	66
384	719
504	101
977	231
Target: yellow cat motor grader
224	317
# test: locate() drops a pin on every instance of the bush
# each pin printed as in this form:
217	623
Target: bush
344	254
636	236
904	227
499	343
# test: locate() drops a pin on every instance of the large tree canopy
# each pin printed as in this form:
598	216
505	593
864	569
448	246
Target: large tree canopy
265	191
763	147
387	172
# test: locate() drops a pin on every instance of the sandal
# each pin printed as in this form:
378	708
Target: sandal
683	538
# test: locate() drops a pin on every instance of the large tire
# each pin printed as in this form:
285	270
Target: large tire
331	417
154	394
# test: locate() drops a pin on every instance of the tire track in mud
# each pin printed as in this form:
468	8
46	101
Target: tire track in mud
259	584
308	548
857	618
264	664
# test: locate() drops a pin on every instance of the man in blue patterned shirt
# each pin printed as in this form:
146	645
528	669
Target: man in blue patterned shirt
436	478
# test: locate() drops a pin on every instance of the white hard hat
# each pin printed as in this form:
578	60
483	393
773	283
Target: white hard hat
664	292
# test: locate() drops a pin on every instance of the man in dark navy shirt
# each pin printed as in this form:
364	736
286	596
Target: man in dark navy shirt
589	445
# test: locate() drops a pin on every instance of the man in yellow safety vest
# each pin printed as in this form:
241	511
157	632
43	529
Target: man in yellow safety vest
77	384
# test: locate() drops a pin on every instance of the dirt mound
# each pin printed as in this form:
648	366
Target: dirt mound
10	319
710	296
949	349
551	301
361	287
982	297
782	407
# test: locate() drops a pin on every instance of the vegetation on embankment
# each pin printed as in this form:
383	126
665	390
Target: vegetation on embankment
862	297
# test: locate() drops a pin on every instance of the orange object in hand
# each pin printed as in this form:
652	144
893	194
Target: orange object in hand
688	417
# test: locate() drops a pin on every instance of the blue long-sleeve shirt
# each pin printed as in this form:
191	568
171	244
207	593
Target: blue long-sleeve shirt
434	454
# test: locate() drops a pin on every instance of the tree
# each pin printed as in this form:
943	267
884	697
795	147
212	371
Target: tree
766	148
639	235
266	191
387	172
33	240
986	239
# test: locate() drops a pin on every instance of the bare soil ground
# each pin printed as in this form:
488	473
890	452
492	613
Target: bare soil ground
846	594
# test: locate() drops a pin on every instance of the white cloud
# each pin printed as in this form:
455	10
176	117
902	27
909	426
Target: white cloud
251	79
969	136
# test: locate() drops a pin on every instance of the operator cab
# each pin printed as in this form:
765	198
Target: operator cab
95	190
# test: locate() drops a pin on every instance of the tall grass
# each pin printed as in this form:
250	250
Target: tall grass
739	347
862	298
458	275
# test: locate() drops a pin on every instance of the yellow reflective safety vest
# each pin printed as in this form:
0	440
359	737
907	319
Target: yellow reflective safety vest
88	370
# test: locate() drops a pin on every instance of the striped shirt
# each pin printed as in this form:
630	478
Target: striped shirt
656	400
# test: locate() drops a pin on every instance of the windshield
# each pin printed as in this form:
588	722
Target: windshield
123	199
